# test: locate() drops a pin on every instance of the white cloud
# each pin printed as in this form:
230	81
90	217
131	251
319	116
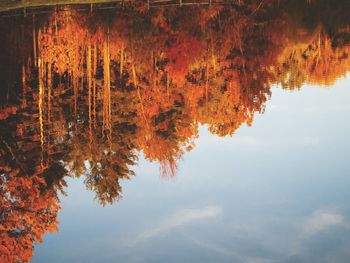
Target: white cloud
308	141
230	253
214	247
321	220
180	218
235	140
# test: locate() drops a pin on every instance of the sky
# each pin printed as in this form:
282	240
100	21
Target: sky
274	192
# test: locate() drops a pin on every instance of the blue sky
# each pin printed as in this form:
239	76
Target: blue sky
274	192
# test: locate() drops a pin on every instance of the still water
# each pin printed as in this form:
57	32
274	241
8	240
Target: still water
176	134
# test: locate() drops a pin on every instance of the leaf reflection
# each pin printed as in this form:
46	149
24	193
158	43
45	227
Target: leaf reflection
84	94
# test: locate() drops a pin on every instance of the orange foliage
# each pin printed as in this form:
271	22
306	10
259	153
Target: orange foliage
28	211
99	93
219	75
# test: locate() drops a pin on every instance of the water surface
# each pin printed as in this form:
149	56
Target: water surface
193	134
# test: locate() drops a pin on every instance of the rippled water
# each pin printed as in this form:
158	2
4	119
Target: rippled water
193	134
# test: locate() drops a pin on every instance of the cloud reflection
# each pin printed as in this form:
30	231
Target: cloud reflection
320	221
180	218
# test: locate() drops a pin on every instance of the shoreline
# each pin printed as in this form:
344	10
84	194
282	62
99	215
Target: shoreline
13	5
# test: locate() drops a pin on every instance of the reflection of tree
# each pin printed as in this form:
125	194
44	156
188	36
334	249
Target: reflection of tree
315	62
105	161
166	128
92	92
28	208
145	80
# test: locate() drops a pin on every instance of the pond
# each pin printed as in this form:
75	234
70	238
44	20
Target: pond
201	133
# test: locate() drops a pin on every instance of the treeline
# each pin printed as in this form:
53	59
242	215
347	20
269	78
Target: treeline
86	93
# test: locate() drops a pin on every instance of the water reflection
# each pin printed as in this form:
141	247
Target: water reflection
84	94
